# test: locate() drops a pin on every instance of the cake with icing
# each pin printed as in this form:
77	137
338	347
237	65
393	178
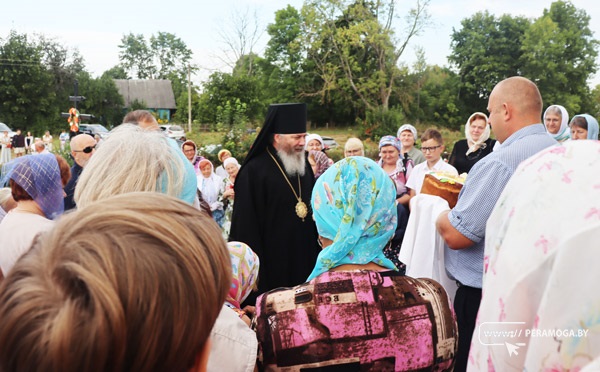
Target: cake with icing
445	185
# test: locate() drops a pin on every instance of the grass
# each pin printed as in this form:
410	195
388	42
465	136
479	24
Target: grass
341	135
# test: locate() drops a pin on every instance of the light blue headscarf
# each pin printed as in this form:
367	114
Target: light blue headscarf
564	132
354	204
592	125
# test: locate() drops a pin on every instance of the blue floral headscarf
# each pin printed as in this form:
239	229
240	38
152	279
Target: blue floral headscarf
354	205
391	141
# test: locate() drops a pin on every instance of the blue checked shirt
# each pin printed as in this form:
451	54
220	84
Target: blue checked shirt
477	199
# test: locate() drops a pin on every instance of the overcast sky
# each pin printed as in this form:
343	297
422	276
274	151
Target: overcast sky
96	28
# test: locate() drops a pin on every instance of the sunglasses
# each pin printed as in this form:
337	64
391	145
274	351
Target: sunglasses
87	149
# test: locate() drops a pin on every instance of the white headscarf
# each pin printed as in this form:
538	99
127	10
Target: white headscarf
210	186
311	137
476	145
564	132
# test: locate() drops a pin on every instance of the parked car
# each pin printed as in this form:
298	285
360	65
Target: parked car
6	128
93	129
329	143
173	131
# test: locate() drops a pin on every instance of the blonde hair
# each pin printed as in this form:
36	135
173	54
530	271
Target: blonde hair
134	282
131	159
354	143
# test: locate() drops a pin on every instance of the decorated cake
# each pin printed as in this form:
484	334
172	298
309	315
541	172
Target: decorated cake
445	185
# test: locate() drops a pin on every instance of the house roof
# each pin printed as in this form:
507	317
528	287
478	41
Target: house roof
157	94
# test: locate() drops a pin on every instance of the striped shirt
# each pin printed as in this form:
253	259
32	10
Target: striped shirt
477	199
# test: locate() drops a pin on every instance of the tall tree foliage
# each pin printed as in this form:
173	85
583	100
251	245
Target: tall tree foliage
163	56
103	99
222	88
357	40
282	66
486	50
559	54
27	98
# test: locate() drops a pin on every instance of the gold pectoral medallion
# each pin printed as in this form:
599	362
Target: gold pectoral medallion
301	209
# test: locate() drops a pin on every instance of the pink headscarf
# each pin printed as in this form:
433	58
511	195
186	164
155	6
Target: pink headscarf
244	269
321	160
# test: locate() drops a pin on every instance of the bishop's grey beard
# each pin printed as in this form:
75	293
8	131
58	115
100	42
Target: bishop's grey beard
294	163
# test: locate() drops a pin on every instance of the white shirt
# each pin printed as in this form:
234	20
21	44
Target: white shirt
415	181
17	232
233	344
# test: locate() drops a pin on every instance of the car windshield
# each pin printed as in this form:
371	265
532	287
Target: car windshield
175	127
99	128
4	128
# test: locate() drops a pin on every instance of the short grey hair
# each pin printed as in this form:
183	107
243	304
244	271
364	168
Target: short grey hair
131	159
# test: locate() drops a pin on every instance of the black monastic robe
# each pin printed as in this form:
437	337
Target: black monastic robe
264	217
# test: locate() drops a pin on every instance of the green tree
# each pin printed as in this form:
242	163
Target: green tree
26	85
116	72
486	50
103	99
357	41
279	71
136	57
559	54
439	103
222	88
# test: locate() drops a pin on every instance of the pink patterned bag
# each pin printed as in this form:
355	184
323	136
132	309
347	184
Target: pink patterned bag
357	320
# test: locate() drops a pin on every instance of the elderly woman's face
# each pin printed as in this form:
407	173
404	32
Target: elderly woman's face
206	170
552	122
389	155
477	128
314	145
232	169
354	152
578	133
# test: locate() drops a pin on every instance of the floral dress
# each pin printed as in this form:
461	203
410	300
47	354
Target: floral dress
227	207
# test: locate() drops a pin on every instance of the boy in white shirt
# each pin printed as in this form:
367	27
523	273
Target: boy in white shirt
432	146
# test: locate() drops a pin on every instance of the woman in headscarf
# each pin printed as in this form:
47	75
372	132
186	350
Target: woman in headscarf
396	167
222	155
407	134
356	310
245	265
475	147
584	126
190	151
211	187
36	183
314	142
319	162
232	167
234	344
556	121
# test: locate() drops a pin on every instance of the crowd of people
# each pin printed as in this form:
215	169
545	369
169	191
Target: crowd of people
144	255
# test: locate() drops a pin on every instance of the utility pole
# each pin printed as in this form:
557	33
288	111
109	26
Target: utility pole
189	100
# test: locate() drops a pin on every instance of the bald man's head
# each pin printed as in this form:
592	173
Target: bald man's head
143	118
82	148
514	103
523	94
